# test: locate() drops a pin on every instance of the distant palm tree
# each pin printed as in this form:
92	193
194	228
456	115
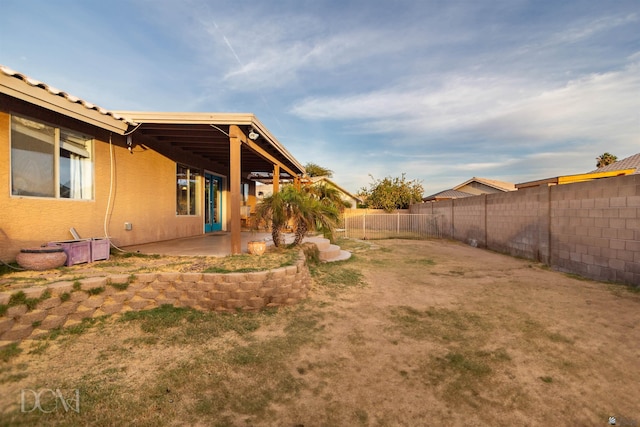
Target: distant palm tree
605	159
317	170
297	208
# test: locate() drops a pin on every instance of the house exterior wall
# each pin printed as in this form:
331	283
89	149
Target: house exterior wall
143	194
589	228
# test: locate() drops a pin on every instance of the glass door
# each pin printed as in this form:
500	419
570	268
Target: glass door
212	203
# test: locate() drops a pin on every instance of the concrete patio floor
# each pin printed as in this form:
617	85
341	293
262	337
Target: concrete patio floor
216	244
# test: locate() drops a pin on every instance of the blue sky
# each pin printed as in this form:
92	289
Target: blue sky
442	91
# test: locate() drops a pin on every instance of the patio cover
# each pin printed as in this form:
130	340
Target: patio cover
222	141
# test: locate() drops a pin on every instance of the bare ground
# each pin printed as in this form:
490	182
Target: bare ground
407	333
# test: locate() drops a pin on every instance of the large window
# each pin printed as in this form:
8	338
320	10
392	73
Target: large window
186	190
47	161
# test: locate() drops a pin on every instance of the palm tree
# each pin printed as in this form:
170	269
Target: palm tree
605	159
329	196
272	212
317	170
295	207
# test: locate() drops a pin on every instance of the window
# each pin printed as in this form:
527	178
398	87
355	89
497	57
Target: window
47	161
186	190
244	193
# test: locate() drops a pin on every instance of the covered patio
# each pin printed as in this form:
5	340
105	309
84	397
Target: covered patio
217	244
235	146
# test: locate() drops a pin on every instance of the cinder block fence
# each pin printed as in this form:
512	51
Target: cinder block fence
35	311
589	228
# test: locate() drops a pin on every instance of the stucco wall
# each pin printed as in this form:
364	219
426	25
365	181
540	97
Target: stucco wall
589	228
142	193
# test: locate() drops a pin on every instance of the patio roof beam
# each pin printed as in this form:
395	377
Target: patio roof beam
255	147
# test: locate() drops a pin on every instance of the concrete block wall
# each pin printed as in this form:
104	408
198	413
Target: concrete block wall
595	229
469	220
589	228
443	209
517	223
65	304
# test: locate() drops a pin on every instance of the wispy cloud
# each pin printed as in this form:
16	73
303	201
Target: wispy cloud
581	31
505	89
599	105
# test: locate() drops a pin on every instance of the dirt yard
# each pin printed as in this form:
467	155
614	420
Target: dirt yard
406	333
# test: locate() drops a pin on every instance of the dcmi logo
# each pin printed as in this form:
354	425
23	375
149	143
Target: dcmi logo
47	400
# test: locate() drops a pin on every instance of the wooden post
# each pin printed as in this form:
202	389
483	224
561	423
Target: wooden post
276	178
235	142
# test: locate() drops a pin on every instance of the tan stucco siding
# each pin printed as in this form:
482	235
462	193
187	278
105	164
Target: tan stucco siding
143	194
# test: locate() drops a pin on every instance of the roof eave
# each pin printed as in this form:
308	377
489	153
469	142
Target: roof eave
34	92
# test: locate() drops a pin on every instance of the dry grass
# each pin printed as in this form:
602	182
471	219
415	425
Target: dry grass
405	333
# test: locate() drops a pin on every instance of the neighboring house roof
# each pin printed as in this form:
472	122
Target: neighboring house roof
447	194
494	183
472	187
317	179
570	179
36	92
631	162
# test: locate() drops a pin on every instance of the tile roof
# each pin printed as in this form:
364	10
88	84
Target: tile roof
626	163
54	91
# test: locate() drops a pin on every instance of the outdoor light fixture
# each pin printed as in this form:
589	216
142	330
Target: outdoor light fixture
130	144
253	135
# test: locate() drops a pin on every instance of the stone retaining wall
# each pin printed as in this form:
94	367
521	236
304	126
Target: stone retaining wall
33	312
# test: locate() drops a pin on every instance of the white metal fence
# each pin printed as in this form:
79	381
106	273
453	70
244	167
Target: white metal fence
384	226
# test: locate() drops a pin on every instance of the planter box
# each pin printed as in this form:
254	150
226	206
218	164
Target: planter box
100	249
78	251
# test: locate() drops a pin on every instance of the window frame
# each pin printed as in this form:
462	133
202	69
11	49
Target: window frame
195	175
58	145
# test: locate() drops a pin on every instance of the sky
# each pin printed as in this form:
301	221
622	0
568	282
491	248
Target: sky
440	91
